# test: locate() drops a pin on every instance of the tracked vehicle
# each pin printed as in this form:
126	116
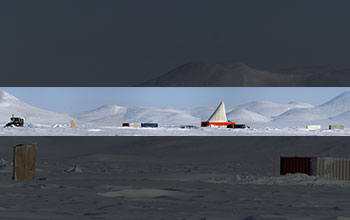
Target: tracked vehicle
15	121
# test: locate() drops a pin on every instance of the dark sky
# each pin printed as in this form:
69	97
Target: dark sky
130	41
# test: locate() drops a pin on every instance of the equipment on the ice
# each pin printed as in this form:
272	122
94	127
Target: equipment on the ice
238	126
218	118
15	121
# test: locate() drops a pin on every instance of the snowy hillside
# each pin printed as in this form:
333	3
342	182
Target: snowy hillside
271	109
344	117
116	115
203	113
329	110
100	114
312	114
9	105
257	111
337	105
241	115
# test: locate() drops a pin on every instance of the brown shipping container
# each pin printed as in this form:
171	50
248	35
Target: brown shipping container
24	159
296	165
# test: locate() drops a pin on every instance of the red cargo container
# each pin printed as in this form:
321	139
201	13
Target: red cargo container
296	165
125	124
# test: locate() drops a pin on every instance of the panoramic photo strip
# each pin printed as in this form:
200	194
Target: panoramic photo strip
174	111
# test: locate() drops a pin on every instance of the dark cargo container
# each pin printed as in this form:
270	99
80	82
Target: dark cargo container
149	125
296	165
125	124
238	126
241	126
186	126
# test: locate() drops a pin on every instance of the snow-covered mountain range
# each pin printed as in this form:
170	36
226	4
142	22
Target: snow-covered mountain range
113	114
337	110
334	109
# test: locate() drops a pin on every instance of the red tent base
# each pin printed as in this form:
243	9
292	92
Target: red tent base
216	124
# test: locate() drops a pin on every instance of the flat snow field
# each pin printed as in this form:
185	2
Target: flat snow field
103	130
189	179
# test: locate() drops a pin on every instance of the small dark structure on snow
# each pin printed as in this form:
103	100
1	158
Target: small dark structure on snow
238	126
15	121
149	125
186	126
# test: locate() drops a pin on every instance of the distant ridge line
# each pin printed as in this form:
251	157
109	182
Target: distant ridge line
205	74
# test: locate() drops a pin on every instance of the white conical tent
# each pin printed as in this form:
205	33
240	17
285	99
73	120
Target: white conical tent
219	115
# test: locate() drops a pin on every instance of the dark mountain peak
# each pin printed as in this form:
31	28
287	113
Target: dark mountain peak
205	74
235	65
234	73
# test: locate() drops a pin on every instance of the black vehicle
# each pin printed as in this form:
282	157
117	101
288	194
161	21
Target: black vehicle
238	126
15	121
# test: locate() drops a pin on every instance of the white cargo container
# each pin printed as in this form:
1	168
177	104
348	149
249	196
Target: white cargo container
313	127
332	168
135	125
